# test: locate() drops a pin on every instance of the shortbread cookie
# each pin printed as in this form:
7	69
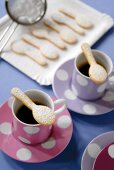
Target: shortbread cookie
20	47
44	115
46	50
80	19
97	72
67	12
83	21
63	20
69	37
43	34
66	34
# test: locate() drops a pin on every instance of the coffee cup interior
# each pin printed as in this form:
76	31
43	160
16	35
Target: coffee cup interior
40	98
101	59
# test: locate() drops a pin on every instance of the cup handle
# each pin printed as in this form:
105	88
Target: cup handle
59	102
111	80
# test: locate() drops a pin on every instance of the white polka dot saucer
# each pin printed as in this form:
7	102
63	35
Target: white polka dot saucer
62	89
57	142
95	147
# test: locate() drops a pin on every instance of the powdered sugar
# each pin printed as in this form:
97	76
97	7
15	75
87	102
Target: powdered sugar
26	11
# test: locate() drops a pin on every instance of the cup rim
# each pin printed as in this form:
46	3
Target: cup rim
100	52
26	124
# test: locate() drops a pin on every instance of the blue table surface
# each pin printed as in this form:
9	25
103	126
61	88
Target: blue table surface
85	128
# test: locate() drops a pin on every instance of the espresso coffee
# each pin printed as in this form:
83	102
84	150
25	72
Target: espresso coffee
25	115
84	69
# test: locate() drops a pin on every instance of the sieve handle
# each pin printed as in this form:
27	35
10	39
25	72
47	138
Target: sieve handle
7	35
8	27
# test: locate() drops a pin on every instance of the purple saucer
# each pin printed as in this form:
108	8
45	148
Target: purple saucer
62	89
105	160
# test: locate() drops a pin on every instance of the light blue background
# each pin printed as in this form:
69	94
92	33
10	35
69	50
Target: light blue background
85	127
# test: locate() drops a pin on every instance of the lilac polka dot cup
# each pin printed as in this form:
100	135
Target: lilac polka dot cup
82	85
34	133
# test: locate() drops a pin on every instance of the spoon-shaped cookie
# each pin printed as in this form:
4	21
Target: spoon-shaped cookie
42	114
61	19
20	47
80	19
66	34
97	72
43	34
46	50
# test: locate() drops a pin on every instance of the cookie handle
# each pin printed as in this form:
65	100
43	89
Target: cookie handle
60	102
31	40
74	27
57	42
51	25
88	53
67	12
21	96
37	58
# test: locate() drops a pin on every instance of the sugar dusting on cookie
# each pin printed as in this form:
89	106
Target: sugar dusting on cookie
97	73
44	115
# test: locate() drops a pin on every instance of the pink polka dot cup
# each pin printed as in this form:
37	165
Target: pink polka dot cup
82	85
34	133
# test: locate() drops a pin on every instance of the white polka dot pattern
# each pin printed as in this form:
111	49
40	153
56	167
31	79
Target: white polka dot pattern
111	79
31	130
49	144
50	126
64	122
74	90
20	151
89	109
93	150
109	96
70	95
6	128
101	88
111	151
24	154
24	140
82	81
62	75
